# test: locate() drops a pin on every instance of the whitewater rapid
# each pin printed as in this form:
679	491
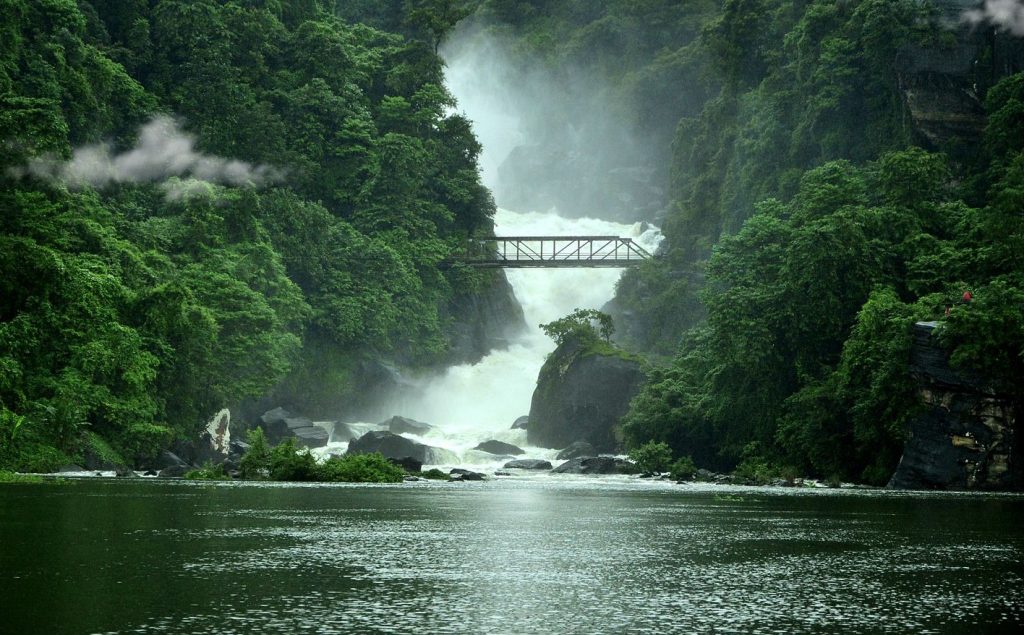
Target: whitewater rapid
471	403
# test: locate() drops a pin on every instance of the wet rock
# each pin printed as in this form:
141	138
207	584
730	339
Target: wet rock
408	464
521	422
165	460
311	437
576	450
175	471
963	437
237	449
596	465
500	473
459	474
393	446
581	394
404	425
485	319
150	473
342	432
124	472
529	464
499	447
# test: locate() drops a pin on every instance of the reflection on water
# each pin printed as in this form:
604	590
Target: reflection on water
540	554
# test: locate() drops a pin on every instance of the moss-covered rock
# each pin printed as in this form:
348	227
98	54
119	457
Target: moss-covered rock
583	389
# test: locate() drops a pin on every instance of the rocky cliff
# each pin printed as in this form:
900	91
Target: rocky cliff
582	392
964	436
484	320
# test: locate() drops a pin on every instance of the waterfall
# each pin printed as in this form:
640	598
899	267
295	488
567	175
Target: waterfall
471	403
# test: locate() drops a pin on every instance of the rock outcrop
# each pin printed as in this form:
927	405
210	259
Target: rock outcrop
484	320
405	425
499	447
596	465
964	436
576	450
529	464
581	394
943	85
279	424
393	446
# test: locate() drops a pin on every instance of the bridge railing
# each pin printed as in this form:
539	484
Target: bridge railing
554	251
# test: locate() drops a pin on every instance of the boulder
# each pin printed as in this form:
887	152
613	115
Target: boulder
165	460
581	394
499	447
596	465
311	437
521	422
408	464
404	425
393	446
529	464
458	474
237	449
342	432
576	449
175	471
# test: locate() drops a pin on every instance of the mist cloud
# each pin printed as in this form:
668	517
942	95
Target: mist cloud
1004	14
163	151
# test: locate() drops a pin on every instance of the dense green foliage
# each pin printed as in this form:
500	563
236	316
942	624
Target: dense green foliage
286	462
325	180
807	229
582	324
652	457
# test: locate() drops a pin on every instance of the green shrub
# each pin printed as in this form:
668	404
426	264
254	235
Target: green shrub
683	469
288	463
652	456
360	468
255	463
209	472
11	477
434	474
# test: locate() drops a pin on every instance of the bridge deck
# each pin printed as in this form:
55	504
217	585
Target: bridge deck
554	251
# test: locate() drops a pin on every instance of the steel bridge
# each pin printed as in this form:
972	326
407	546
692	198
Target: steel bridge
553	251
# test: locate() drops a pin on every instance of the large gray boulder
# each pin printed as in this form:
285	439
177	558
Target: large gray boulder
280	424
529	464
581	394
596	465
404	425
393	446
576	449
499	447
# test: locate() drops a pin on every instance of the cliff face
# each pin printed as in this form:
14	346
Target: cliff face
484	321
581	394
943	85
964	436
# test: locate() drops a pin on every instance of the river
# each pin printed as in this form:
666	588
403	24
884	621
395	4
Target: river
528	554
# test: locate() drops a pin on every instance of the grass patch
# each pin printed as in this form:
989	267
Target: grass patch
7	476
208	472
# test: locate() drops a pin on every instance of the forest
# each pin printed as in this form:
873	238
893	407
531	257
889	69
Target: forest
814	208
815	211
205	202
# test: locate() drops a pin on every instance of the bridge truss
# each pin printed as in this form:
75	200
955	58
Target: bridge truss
554	251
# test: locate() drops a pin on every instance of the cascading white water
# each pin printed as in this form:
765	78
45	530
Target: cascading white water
471	403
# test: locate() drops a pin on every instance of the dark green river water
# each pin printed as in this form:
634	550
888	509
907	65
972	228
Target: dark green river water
531	555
